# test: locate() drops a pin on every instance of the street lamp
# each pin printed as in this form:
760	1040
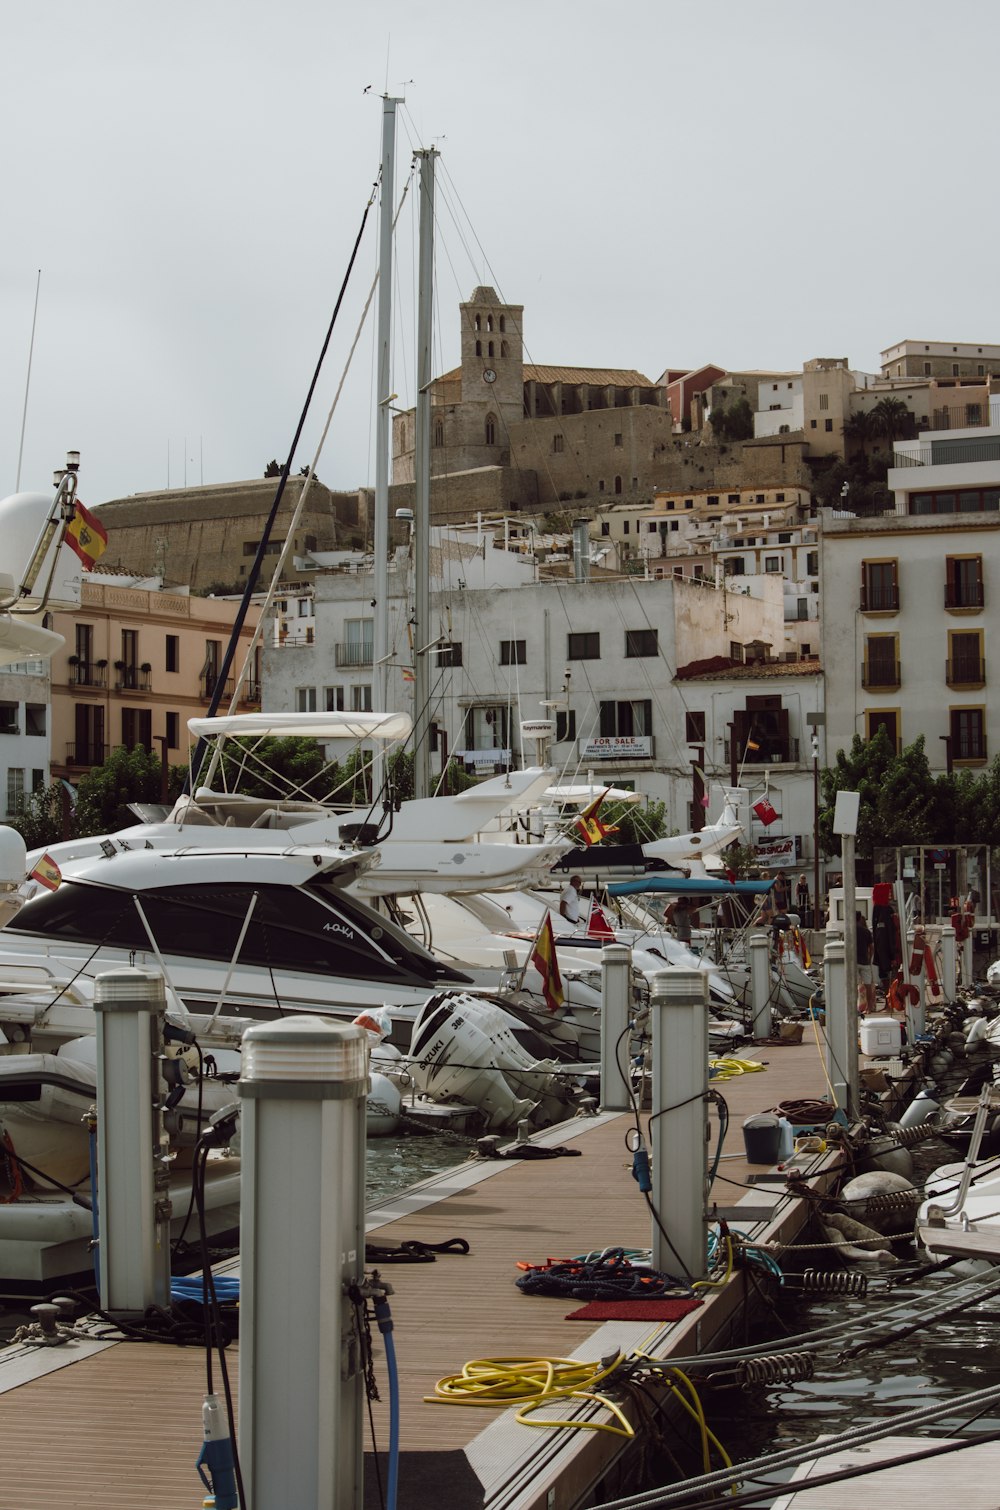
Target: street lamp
814	722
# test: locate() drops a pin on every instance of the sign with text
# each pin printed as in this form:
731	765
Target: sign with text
775	851
617	747
483	757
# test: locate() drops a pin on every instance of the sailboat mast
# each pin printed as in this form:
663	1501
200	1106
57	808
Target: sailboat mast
380	628
422	495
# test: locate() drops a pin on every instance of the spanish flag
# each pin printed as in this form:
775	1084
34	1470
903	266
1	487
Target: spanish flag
86	535
590	827
47	873
543	957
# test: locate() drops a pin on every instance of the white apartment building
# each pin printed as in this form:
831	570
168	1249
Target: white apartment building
780	405
25	732
910	599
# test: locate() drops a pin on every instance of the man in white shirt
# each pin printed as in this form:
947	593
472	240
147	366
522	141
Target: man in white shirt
569	901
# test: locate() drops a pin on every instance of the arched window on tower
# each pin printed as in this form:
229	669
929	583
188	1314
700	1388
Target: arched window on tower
478	323
618	484
489	322
491	430
479	348
489	349
439	432
503	323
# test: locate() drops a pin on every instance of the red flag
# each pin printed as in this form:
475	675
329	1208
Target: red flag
543	957
47	872
598	926
86	535
591	829
765	812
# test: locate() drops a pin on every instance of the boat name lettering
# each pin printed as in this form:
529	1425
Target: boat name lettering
339	928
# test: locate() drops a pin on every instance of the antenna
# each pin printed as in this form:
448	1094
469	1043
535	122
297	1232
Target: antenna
27	383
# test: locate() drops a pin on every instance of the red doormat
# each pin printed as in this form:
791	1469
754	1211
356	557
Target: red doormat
635	1310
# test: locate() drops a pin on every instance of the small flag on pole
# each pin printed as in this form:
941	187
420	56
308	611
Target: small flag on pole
598	926
408	674
543	957
86	535
590	827
47	873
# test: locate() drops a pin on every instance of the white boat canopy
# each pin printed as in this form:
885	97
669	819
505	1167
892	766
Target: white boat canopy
383	726
586	794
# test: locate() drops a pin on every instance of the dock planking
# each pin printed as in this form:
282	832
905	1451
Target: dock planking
143	1402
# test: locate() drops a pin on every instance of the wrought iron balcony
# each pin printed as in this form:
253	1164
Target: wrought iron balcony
209	682
963	595
85	752
132	679
879	674
966	671
89	674
354	655
879	598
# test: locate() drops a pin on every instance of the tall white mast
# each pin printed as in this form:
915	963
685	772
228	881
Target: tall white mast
380	628
422	494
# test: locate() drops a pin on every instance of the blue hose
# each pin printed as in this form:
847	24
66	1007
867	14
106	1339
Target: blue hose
383	1316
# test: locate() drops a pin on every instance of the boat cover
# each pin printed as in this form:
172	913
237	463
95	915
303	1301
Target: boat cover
690	886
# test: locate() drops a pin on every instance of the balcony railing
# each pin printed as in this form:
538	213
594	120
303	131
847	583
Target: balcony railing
963	595
209	682
89	674
966	671
250	692
132	679
961	416
85	752
354	655
876	598
948	453
879	675
770	752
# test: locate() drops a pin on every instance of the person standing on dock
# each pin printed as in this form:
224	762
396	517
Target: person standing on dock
866	970
679	916
569	901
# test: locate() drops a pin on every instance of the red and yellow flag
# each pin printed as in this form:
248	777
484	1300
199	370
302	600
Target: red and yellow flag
86	535
590	827
47	873
543	957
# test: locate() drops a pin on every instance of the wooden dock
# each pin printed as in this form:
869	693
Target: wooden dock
123	1421
967	1477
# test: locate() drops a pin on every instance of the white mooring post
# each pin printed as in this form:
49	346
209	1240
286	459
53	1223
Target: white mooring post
949	963
841	1029
760	985
616	974
967	960
916	1011
302	1243
133	1198
679	1003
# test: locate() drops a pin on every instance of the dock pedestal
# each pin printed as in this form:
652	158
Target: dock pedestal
679	1000
760	985
841	1029
302	1243
616	965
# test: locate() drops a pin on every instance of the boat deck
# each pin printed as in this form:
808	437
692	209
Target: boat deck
967	1477
129	1415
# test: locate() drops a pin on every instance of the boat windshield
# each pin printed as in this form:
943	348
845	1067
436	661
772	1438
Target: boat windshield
317	929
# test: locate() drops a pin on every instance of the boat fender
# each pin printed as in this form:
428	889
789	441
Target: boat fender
849	1234
867	1195
886	1154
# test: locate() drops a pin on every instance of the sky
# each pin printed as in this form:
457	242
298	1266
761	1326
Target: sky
659	184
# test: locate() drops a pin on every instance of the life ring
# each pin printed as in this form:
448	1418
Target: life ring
900	995
960	923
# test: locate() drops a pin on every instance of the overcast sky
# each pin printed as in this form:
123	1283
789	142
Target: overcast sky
660	184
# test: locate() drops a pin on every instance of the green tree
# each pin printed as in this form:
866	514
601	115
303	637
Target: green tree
104	793
732	421
39	819
859	428
277	767
637	823
892	420
862	769
899	796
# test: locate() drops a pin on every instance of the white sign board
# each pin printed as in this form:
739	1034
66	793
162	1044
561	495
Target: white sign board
483	757
776	851
617	747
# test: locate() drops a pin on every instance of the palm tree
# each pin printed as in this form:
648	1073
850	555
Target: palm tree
892	419
859	428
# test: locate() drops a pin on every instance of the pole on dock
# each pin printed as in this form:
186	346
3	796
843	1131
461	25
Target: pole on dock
949	963
132	1194
302	1245
841	1029
916	1012
966	958
679	1004
760	985
616	973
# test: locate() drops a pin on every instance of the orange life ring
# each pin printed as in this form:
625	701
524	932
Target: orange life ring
900	995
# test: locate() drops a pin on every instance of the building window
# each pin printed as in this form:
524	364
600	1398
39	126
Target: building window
734	566
449	654
361	698
828	425
34	719
489	322
605	527
772	563
881	664
479	346
958	501
651	527
333	699
812	424
478	322
802	608
968	734
173	731
250	547
557	443
305	699
674	524
626	720
15	792
439	432
883	718
812	563
626	527
173	652
491	430
512	652
565	725
489	348
600	484
694	728
641	642
137	728
584	646
963	584
618	440
954	369
879	587
824	401
966	667
689	503
503	323
618	484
